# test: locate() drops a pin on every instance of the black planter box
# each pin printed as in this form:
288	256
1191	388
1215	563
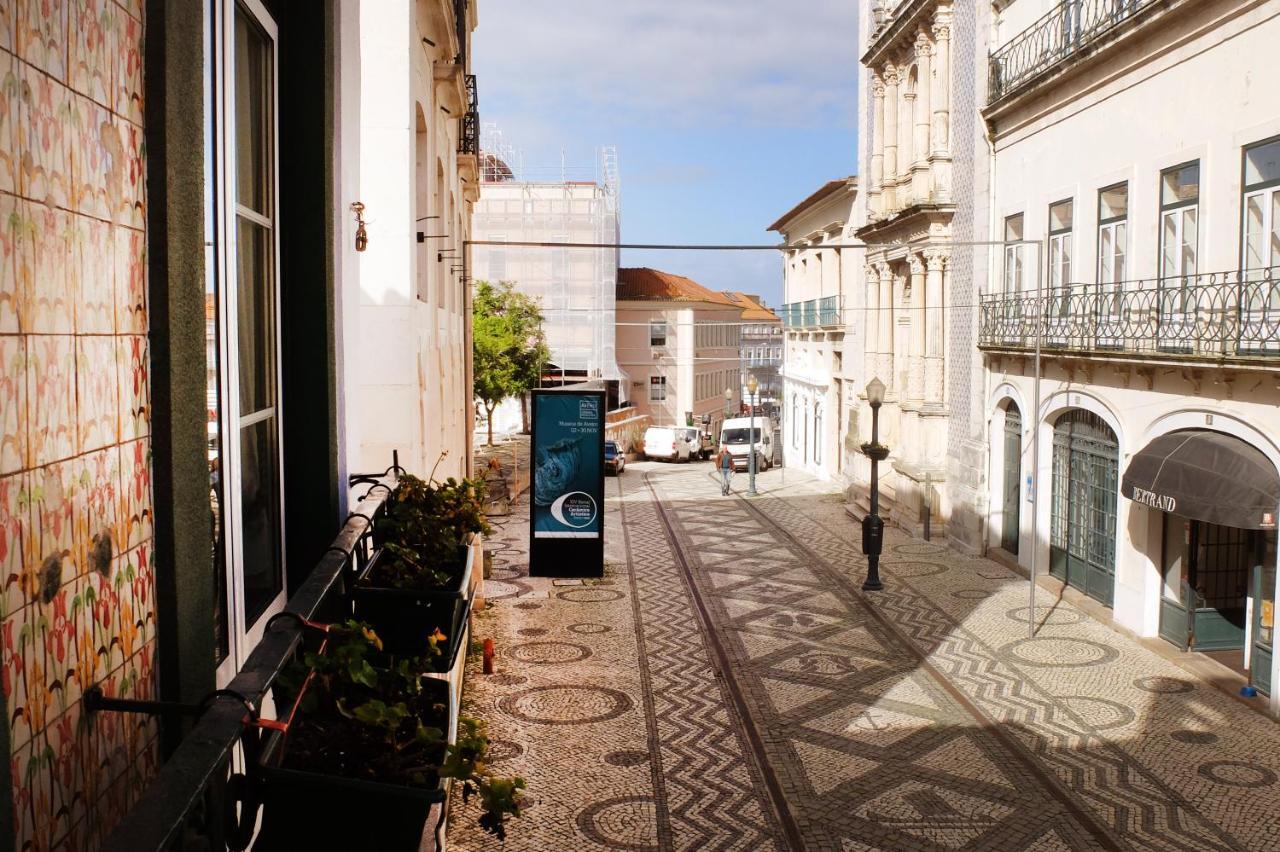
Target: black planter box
310	810
405	618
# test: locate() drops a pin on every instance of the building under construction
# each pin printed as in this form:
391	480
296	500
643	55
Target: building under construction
575	286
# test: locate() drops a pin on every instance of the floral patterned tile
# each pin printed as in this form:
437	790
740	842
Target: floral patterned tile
65	736
92	24
13	403
93	275
18	659
130	202
132	7
44	121
42	35
135	511
98	529
94	152
128	65
44	262
51	398
98	392
134	365
12	300
55	634
17	540
131	281
10	98
6	26
58	500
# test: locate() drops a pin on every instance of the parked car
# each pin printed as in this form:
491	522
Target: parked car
615	461
671	443
735	434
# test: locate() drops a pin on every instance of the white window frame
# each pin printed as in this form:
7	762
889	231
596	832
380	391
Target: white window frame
242	637
1261	289
1174	270
1113	257
658	385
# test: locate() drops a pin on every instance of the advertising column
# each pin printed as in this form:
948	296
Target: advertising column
566	519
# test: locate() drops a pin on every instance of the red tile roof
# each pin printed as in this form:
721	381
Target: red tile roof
651	285
752	308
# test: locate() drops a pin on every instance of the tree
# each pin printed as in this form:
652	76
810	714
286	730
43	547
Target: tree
509	346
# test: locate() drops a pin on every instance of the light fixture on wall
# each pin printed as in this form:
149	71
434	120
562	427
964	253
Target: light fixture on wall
362	236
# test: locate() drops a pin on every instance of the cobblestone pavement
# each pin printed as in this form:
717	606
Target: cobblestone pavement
727	685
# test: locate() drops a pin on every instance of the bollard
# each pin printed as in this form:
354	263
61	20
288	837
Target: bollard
488	656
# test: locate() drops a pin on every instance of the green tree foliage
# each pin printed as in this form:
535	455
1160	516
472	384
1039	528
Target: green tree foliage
509	346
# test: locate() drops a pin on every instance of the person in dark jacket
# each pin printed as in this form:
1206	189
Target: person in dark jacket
724	462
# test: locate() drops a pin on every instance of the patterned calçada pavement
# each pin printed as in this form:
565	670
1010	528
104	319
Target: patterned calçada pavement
727	685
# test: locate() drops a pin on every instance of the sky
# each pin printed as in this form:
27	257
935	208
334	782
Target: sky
725	114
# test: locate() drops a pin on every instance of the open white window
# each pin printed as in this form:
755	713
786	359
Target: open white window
1113	228
1260	245
1179	245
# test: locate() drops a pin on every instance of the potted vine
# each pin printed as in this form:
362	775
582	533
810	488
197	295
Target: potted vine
366	753
420	581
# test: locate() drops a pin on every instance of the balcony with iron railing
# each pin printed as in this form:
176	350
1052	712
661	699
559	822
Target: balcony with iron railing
469	137
1219	316
1065	33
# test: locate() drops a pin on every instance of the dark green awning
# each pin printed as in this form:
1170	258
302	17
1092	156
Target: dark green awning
1206	476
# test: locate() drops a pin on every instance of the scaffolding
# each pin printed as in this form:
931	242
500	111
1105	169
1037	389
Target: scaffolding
575	287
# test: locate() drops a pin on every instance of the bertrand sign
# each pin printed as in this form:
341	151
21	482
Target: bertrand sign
568	472
1163	502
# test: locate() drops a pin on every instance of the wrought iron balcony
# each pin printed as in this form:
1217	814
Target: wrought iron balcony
469	138
1213	316
1065	32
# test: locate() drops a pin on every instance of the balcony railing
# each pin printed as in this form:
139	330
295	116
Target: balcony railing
1217	315
809	313
813	313
469	138
829	313
1064	32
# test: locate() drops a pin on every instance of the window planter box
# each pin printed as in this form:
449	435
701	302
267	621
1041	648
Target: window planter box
404	618
313	810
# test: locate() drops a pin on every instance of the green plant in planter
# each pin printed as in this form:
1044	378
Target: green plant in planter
425	528
373	723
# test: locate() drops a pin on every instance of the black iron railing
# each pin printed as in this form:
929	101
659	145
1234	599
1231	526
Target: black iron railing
460	28
469	138
1214	315
1064	32
196	801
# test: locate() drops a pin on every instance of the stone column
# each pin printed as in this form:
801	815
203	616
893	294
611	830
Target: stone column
936	261
924	88
889	185
876	200
915	379
871	344
906	134
884	357
942	82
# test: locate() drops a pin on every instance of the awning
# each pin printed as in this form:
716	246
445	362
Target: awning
1206	476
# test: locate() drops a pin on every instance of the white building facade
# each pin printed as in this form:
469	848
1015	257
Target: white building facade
1135	175
820	279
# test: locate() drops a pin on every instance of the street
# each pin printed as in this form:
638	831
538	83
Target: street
727	685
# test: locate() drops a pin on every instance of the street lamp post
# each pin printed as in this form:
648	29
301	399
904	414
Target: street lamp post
752	386
872	525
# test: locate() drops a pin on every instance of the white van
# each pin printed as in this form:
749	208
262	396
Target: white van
672	443
735	433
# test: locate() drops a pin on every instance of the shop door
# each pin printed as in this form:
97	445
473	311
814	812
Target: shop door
1086	475
1207	573
1012	478
1264	617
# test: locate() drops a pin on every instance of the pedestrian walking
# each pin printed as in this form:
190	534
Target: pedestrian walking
724	461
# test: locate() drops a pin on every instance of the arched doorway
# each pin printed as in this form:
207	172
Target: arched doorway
1082	528
1011	515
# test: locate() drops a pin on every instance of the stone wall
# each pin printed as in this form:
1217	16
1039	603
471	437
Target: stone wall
77	606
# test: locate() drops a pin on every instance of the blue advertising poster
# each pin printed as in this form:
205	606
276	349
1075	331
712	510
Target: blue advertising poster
568	466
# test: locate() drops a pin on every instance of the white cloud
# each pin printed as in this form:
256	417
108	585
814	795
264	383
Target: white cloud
681	62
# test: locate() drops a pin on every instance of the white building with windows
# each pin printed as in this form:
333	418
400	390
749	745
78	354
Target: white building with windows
1134	175
820	281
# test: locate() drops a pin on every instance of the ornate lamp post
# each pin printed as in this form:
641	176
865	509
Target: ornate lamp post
752	386
872	525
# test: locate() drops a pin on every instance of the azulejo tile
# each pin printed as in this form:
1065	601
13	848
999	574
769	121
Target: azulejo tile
42	35
98	528
10	98
13	403
58	498
135	493
134	365
17	539
98	404
44	270
94	151
17	657
12	302
131	281
44	122
128	68
51	398
130	203
6	26
93	276
91	25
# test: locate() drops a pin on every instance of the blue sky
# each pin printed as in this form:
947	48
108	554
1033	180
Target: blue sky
725	113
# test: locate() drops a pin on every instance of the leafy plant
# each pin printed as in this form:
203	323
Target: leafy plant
509	347
425	529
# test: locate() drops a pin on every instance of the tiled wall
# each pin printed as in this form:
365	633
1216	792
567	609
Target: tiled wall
77	602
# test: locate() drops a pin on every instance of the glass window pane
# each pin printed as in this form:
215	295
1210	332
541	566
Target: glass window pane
1274	259
253	114
1120	230
1169	245
1189	235
1060	216
1013	227
260	516
1105	256
1114	202
1262	163
1254	241
255	296
1180	185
